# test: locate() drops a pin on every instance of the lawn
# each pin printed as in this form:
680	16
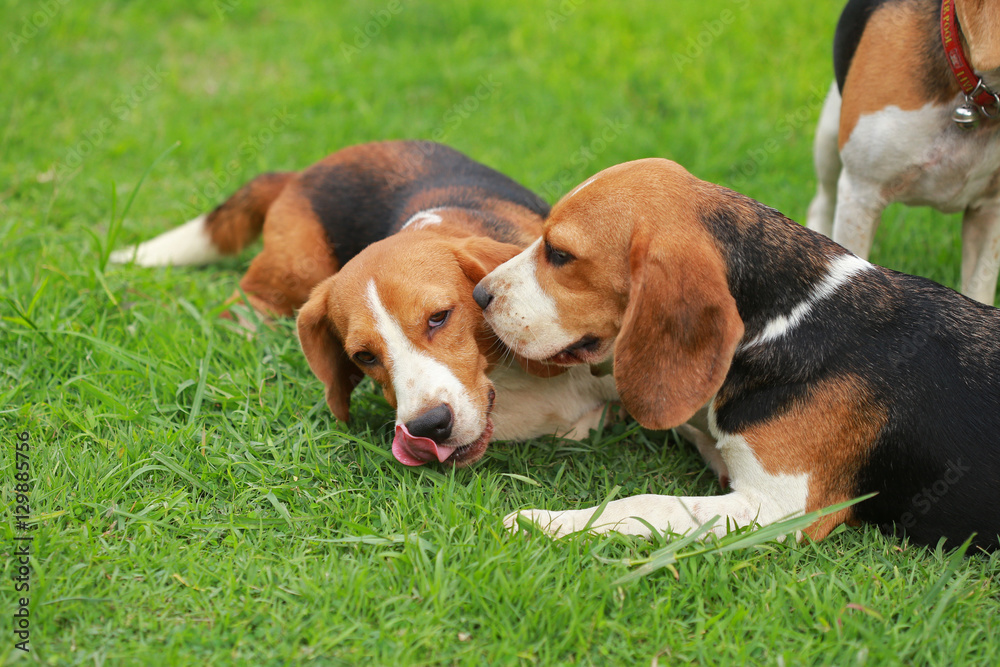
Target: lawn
191	497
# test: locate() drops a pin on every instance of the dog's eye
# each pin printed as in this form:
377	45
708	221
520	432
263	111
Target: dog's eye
438	319
365	358
557	257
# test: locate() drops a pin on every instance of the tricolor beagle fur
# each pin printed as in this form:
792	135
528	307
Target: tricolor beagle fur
886	133
825	377
389	239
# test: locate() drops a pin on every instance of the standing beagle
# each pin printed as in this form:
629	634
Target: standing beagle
914	117
825	377
389	239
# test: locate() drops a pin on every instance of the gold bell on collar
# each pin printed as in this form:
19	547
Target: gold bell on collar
966	117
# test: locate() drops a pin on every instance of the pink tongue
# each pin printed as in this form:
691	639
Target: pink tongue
411	450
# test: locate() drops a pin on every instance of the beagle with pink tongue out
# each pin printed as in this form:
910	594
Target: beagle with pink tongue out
380	246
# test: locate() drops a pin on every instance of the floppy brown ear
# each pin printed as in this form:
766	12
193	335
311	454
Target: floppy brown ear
678	335
325	353
980	22
478	255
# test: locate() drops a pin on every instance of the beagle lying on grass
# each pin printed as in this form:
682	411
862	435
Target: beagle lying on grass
909	120
406	229
826	377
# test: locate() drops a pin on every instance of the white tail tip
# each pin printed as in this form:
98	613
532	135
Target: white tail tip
187	245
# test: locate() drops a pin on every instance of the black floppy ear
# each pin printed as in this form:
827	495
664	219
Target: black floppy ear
478	255
325	353
679	332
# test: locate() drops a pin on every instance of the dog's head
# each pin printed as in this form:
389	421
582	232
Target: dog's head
625	268
402	312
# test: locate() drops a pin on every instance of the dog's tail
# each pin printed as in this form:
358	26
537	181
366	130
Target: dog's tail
228	229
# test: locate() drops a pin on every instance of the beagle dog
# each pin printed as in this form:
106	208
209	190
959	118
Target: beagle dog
389	240
825	377
912	117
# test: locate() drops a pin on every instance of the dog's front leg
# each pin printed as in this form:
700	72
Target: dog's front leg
981	251
826	159
859	211
635	515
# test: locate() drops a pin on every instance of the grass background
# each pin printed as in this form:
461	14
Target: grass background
194	500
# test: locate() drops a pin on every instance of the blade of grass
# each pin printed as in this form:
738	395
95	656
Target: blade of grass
279	506
115	226
953	562
178	470
199	392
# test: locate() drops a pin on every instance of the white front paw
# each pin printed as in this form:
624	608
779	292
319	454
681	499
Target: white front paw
553	524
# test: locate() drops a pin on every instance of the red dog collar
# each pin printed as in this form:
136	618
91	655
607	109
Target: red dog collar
976	92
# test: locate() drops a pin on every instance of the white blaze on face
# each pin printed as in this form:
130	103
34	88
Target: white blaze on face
522	313
420	381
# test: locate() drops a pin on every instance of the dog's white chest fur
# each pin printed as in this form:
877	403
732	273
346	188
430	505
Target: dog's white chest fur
921	158
568	405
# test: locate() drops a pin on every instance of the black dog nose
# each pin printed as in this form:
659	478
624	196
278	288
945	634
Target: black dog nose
482	297
434	424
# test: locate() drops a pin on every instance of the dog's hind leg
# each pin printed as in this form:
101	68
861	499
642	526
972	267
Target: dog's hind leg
981	252
296	257
826	159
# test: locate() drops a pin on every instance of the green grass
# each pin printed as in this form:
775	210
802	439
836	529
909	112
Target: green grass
195	501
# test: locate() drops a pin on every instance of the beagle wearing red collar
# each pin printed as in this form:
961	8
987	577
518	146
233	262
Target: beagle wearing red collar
389	239
914	117
825	377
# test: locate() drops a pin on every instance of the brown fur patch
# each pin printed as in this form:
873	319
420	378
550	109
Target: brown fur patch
237	222
295	258
899	62
826	437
